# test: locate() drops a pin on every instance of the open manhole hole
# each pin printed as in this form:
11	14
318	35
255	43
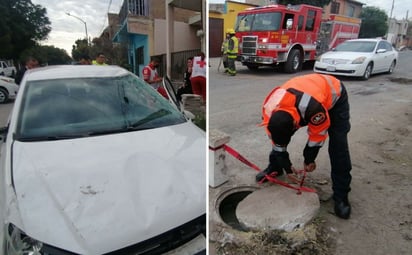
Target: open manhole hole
228	204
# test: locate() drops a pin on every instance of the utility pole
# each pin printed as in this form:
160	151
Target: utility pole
85	25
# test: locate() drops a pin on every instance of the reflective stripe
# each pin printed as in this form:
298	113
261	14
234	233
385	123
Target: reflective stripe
313	144
303	104
333	91
279	148
324	132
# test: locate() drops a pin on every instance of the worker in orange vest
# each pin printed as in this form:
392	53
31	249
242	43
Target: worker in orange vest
319	102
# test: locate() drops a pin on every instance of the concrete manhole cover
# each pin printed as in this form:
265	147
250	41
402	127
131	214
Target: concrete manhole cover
277	207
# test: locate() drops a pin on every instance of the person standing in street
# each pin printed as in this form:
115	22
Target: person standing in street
224	48
151	76
198	78
100	60
29	63
232	51
319	102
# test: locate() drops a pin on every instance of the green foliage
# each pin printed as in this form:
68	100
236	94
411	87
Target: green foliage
374	22
320	3
200	121
47	55
22	24
80	49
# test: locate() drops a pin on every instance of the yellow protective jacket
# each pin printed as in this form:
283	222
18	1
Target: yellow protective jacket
233	47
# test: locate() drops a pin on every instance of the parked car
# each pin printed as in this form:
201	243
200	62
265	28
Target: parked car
95	161
359	58
7	70
8	89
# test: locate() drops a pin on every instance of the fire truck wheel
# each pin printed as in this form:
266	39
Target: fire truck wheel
368	72
294	63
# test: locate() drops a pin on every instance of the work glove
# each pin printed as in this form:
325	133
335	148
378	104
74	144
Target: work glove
280	161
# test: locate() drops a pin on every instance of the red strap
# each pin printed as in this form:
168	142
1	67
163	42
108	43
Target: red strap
272	177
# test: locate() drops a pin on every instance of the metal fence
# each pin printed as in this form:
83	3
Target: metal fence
179	60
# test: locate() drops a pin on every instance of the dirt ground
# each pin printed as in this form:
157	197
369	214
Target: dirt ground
381	197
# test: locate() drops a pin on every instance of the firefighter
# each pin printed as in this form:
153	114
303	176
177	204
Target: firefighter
232	51
225	45
319	102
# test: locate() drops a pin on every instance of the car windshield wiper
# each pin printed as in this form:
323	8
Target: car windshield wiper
49	137
160	113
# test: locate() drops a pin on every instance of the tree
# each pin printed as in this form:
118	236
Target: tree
80	49
374	22
47	55
320	3
22	24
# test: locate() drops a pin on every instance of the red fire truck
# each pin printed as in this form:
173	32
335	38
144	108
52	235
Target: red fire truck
289	35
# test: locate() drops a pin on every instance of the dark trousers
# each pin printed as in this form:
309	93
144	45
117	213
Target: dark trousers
338	148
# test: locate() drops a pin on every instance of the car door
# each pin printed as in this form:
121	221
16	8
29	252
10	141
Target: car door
379	57
171	92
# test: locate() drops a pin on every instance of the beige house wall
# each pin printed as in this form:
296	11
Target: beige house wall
181	43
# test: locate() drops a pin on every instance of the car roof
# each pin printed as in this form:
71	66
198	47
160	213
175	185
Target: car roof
74	71
367	39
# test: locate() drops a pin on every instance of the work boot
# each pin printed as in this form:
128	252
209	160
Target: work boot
261	175
342	209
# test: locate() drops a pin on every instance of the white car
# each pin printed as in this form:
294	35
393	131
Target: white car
95	161
358	58
8	89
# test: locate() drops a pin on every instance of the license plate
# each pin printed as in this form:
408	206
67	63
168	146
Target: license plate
331	68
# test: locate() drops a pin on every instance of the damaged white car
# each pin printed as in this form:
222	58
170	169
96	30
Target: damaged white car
95	161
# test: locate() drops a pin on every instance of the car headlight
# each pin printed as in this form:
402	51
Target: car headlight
18	243
359	60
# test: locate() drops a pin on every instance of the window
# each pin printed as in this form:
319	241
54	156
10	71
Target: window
286	25
350	11
300	23
310	21
138	7
334	8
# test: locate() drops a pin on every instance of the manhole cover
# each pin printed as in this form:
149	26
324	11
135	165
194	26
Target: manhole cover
227	208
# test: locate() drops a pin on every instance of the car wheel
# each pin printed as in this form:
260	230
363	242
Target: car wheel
368	72
4	96
392	67
293	64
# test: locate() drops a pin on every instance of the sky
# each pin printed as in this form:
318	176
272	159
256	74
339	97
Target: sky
66	29
399	10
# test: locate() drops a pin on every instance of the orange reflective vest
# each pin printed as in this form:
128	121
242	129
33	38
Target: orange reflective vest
307	99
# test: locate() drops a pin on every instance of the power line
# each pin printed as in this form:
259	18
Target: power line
105	18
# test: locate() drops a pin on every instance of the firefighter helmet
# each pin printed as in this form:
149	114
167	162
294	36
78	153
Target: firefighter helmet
230	31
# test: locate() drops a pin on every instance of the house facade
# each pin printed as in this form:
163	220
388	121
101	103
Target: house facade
171	30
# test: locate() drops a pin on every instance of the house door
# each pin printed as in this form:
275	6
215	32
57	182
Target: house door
215	36
139	56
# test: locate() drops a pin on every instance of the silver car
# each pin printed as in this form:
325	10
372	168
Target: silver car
8	89
358	58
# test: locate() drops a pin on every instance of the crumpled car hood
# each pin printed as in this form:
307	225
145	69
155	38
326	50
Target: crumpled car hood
99	194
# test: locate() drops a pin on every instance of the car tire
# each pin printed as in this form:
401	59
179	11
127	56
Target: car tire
368	72
294	62
4	96
392	67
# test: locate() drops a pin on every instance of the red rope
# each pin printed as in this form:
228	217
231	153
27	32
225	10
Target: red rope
271	177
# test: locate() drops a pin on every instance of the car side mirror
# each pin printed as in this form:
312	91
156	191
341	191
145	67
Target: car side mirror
381	51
